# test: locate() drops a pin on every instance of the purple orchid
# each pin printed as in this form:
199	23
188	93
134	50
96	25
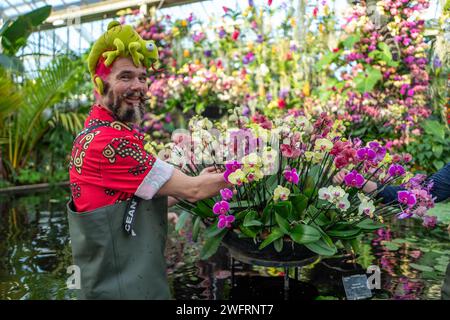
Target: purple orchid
226	194
396	170
379	150
221	207
366	154
225	221
231	167
291	175
407	198
354	179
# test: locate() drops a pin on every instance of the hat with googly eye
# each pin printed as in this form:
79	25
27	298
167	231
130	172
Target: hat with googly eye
120	41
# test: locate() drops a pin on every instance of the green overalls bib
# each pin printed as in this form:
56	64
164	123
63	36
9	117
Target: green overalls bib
114	264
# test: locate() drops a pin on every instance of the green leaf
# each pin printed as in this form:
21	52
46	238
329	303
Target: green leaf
249	232
437	150
433	127
438	164
350	41
322	248
369	224
212	244
387	55
421	267
276	234
241	215
278	244
343	230
267	213
282	223
196	228
203	210
373	76
16	34
326	60
199	108
302	234
250	219
390	245
212	231
283	208
299	203
181	221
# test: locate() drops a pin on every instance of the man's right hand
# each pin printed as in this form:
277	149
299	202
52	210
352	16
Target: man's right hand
193	189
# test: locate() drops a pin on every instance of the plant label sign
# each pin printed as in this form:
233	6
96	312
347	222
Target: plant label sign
356	287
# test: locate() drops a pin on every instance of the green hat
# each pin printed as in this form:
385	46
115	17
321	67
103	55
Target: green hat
120	41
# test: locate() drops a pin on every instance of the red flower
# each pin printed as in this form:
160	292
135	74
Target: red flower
315	11
335	50
270	2
225	9
281	103
235	35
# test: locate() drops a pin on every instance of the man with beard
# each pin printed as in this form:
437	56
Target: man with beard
118	211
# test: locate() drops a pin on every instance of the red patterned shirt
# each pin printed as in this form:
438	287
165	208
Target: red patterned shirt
109	164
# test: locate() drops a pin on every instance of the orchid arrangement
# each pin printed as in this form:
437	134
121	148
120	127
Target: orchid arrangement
283	182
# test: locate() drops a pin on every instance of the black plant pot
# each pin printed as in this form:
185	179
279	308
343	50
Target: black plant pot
213	112
247	251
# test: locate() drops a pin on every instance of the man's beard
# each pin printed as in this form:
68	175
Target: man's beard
121	109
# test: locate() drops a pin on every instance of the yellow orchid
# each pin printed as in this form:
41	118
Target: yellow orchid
281	193
237	177
252	161
314	156
253	174
323	145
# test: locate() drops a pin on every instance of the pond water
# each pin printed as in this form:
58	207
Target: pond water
35	253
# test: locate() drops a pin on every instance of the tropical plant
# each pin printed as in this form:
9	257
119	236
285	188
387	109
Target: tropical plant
27	117
431	149
14	35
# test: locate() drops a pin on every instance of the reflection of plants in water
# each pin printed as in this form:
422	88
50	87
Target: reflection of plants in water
415	265
35	251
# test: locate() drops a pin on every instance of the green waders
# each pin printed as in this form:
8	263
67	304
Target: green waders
114	264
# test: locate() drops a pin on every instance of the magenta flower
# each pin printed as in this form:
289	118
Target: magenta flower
366	154
225	221
379	150
226	194
221	207
406	197
354	179
232	165
396	170
291	175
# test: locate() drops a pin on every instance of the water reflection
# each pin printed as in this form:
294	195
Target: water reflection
35	252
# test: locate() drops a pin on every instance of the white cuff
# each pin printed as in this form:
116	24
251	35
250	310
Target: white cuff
154	180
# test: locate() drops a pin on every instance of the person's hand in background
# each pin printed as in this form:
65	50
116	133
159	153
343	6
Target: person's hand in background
338	179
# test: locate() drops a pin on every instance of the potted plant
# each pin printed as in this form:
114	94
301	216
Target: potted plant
284	205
